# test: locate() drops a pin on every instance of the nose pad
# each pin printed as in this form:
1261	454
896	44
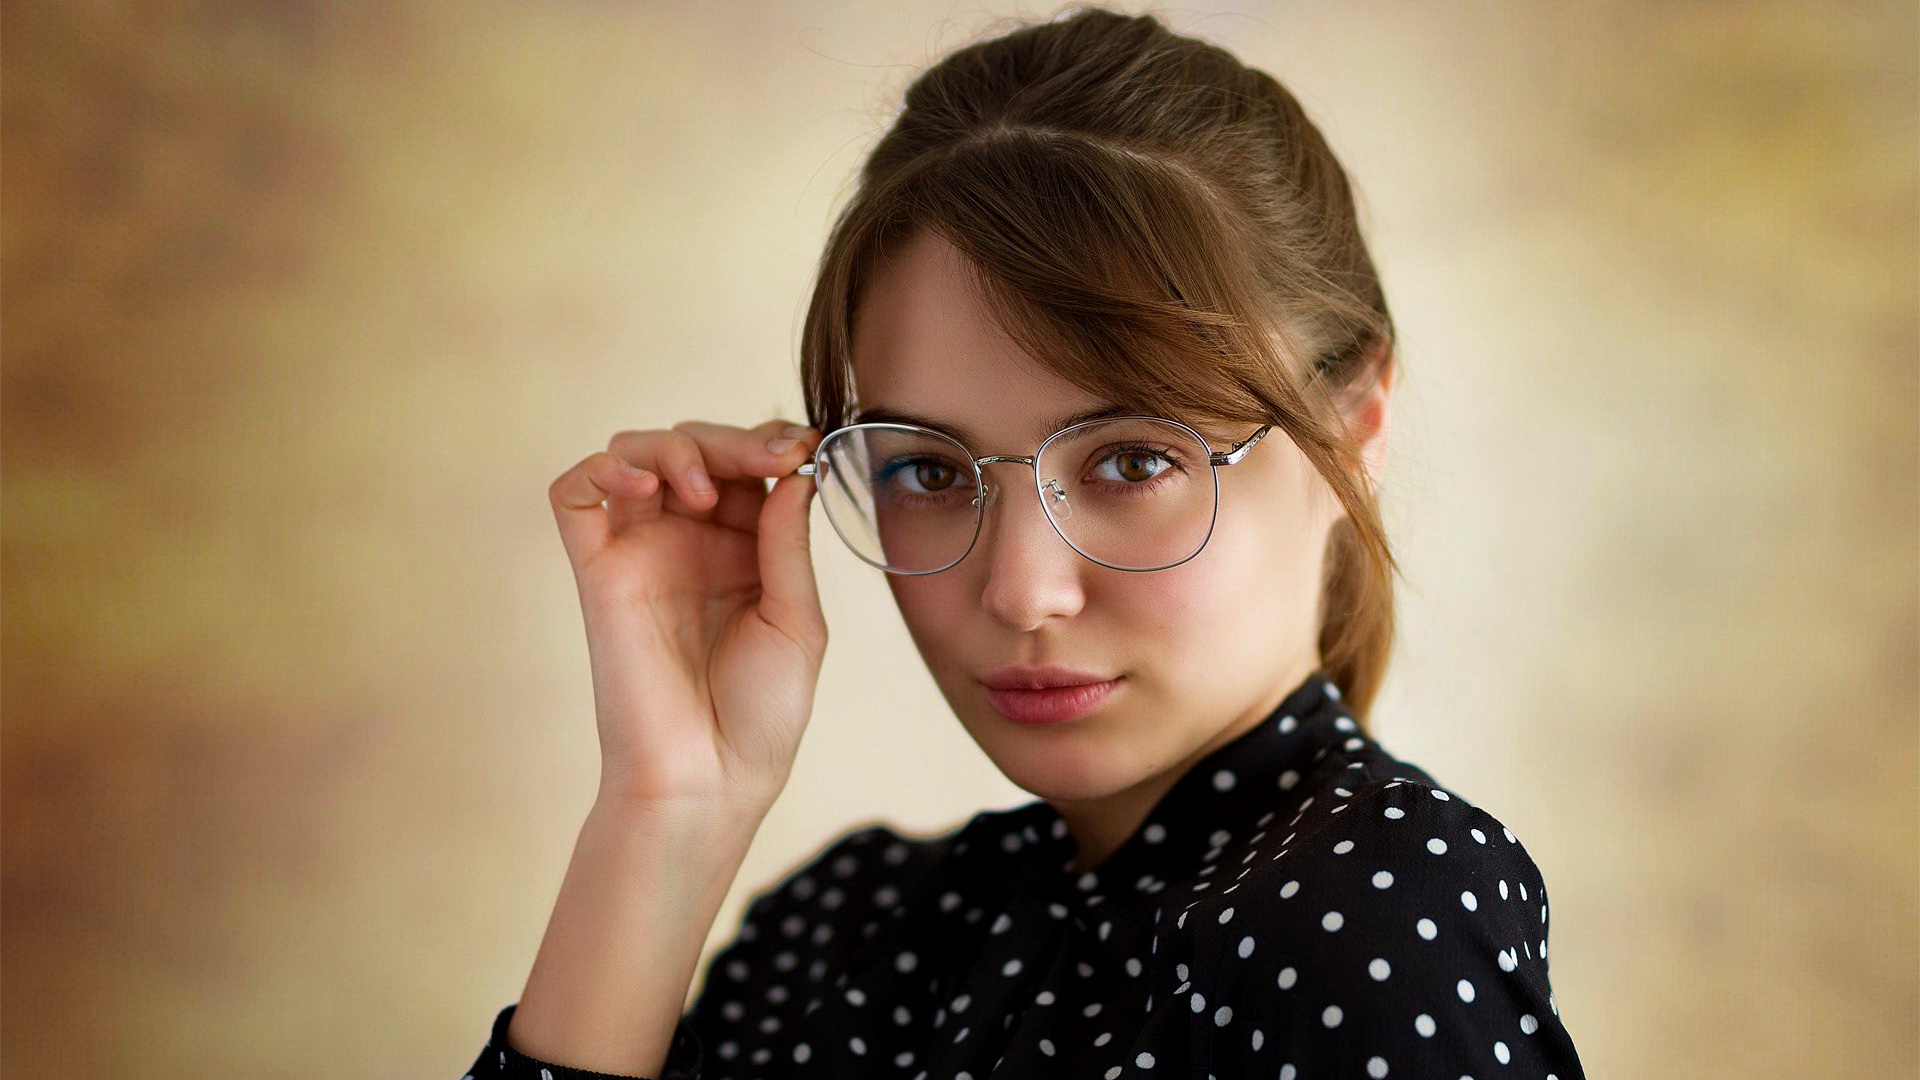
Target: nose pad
1058	504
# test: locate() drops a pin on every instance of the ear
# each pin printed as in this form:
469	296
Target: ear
1369	414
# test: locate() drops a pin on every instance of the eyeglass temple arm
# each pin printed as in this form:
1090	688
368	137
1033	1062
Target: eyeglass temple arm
1230	457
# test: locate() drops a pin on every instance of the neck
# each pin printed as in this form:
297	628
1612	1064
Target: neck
1100	826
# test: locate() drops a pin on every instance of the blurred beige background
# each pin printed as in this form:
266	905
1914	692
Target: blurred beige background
305	305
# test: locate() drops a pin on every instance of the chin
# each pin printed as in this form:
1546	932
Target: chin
1072	764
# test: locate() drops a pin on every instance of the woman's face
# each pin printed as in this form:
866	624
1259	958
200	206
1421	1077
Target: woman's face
1203	650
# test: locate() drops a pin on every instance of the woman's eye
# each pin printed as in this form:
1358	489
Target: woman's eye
924	476
1136	466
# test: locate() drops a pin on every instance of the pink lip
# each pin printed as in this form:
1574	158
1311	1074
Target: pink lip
1051	705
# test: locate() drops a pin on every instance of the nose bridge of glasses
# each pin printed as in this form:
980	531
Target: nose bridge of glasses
992	492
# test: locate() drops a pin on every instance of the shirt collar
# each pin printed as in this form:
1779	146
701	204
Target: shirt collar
1233	791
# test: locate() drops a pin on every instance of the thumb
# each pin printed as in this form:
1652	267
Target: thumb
789	595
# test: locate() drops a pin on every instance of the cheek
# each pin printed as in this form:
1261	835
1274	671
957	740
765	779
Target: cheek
932	608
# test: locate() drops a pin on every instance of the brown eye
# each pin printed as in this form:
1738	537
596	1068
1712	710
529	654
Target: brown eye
1136	466
934	476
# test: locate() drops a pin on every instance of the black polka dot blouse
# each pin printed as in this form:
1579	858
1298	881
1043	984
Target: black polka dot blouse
1300	905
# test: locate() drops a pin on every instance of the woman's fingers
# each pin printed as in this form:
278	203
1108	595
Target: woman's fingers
740	502
712	472
579	494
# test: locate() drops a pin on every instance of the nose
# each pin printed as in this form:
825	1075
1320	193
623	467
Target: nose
1031	572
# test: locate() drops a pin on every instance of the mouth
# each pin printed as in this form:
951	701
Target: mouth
1050	704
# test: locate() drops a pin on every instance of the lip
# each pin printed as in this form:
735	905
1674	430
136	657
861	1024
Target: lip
1040	677
1051	704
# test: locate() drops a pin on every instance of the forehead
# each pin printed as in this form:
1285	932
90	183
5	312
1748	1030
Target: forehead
924	342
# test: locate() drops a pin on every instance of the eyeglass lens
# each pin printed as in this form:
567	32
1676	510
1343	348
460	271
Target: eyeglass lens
1133	494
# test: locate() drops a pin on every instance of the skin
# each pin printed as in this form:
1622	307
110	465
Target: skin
1205	649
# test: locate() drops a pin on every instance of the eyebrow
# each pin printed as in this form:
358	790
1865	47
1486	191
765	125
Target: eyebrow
883	415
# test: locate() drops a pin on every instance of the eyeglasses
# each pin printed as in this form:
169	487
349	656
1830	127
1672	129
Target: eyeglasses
1131	492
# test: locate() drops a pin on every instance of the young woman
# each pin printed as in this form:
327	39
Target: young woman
1102	368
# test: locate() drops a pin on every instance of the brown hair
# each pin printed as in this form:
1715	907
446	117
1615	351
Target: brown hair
1157	223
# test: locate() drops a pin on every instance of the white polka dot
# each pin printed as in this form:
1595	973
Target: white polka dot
1354	743
1424	1025
1379	969
1000	924
1465	989
1395	813
1288	977
856	995
1437	846
1246	947
1343	847
1500	1052
858	1044
1503	888
1478	836
1011	967
1469	901
1438	794
1287	890
1288	723
1221	1015
1330	1016
1259	1039
1155	833
1225	915
1427	929
1145	1060
1511	839
802	1052
1198	1001
1288	779
1112	1074
1223	780
1382	879
1376	1067
1333	920
905	962
1508	961
1287	1072
1046	1047
1528	1024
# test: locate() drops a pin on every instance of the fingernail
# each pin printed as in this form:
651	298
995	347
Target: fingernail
698	479
781	446
795	432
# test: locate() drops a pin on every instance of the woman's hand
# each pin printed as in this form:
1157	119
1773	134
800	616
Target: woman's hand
703	620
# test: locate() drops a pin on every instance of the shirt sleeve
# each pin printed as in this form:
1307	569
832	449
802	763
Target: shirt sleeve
1407	937
500	1060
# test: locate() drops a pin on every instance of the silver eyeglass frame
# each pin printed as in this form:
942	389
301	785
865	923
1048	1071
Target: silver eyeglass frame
1215	458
